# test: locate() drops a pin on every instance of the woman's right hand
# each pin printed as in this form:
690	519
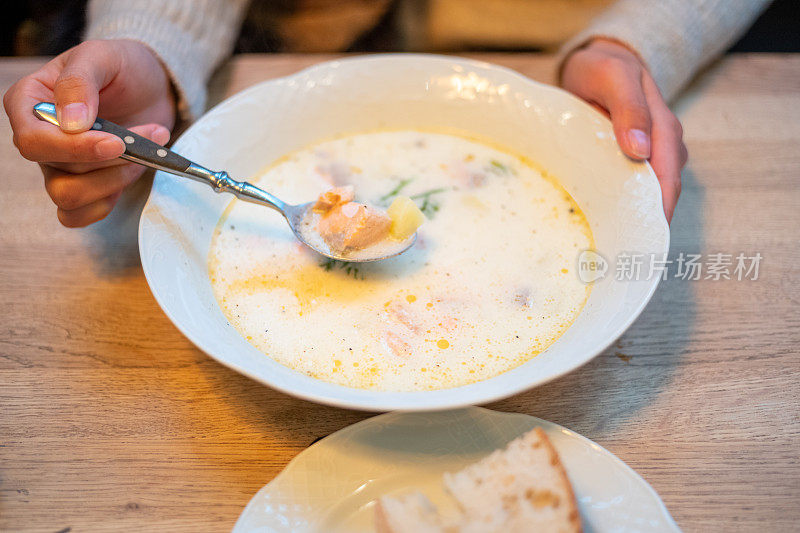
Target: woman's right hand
120	80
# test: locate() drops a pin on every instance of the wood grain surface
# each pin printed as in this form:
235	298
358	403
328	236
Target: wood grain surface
111	420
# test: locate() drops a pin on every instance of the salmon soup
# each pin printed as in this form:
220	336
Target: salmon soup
489	284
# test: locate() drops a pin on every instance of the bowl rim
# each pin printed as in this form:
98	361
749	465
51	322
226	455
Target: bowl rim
383	401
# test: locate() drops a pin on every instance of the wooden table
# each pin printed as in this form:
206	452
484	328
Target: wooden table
111	419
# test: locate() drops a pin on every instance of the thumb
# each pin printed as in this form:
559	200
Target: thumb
630	115
87	69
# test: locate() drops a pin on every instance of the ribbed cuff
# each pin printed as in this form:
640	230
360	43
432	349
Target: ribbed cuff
664	62
190	37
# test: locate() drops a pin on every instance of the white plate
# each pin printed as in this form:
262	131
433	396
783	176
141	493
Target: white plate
332	485
566	136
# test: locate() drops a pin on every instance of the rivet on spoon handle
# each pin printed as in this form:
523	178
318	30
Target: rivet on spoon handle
137	148
145	152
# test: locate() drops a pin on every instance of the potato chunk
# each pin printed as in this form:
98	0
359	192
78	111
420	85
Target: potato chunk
405	216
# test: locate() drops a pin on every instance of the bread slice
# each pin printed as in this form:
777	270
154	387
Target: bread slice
522	488
408	512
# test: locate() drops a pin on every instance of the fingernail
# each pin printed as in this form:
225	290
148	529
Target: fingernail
74	117
109	148
161	135
640	143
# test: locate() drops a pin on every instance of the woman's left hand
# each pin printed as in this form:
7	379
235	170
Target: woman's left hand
613	78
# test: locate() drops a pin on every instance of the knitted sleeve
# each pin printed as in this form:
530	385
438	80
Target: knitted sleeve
674	38
190	37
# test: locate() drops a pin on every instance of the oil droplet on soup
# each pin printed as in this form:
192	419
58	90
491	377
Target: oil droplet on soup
490	273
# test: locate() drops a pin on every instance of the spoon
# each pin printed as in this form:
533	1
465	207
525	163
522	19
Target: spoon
145	152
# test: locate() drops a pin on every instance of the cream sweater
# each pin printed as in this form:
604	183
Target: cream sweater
674	37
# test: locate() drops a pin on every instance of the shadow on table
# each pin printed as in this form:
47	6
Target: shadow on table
299	421
114	240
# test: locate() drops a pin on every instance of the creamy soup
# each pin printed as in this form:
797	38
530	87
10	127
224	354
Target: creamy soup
489	284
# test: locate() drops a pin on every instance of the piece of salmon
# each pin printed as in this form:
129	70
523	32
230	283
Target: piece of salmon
397	345
353	226
330	199
401	313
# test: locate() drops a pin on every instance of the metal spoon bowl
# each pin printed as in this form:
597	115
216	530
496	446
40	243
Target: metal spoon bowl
145	152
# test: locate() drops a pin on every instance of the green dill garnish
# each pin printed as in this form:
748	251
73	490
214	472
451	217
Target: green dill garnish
427	194
394	192
499	168
428	206
349	268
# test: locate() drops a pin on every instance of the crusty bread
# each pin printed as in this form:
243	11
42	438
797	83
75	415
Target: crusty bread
522	488
519	489
408	512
